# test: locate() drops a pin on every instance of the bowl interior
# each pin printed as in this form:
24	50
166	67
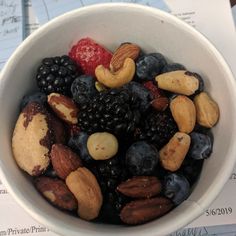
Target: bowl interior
155	32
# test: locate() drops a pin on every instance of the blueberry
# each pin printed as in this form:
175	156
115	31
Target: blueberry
176	187
149	66
201	146
83	89
33	97
79	144
191	169
172	67
142	93
142	158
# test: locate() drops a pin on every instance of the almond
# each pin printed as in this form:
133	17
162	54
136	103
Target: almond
141	211
184	113
64	161
140	187
32	139
56	192
174	152
160	103
83	184
126	50
64	107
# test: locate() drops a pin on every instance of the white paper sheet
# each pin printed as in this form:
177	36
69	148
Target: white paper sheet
193	13
48	9
11	31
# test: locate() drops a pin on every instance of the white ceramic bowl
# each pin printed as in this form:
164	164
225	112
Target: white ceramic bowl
112	24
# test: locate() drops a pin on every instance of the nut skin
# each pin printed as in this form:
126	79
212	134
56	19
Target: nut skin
141	211
180	81
207	110
64	161
173	153
32	139
83	184
160	103
64	107
59	130
140	187
184	113
102	146
126	50
56	192
116	79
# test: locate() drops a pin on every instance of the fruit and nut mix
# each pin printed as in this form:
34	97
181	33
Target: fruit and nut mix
114	137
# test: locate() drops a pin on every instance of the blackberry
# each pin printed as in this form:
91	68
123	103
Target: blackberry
115	111
111	208
56	74
110	174
158	128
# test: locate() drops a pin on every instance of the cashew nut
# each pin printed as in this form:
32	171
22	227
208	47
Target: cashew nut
118	78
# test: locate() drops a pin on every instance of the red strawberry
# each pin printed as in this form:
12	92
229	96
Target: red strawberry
155	91
88	55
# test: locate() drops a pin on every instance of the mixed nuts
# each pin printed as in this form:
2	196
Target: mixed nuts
110	135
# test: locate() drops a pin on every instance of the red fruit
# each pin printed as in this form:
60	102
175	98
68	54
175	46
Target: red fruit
155	91
88	55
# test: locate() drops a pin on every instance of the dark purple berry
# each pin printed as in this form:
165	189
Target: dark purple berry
38	97
79	144
172	67
176	187
201	146
142	93
149	66
56	74
142	158
83	89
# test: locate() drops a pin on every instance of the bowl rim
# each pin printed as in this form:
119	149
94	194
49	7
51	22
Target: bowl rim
212	193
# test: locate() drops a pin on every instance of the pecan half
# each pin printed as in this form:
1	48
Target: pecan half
140	187
141	211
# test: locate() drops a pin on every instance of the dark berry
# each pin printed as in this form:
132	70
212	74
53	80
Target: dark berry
111	172
55	74
114	110
79	144
176	187
33	97
83	89
142	158
172	67
158	128
191	169
201	146
142	93
149	66
112	204
108	214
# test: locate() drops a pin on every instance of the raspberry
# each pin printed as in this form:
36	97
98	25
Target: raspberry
155	91
88	55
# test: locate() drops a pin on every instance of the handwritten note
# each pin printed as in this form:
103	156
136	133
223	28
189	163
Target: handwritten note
11	33
48	9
